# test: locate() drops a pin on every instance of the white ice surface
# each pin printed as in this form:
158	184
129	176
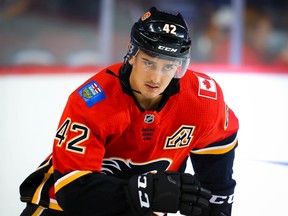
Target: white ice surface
31	106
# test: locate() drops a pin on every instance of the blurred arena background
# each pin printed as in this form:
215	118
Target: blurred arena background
73	32
48	48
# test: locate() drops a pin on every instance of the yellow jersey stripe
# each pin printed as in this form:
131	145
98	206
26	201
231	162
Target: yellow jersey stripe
217	149
37	194
69	178
46	164
38	211
53	204
158	214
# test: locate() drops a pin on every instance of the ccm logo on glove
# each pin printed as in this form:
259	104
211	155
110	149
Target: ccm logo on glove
217	199
143	197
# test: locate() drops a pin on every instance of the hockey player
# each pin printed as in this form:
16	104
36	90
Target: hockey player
125	132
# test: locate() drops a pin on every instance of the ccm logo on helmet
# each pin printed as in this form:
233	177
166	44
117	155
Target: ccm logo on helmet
168	49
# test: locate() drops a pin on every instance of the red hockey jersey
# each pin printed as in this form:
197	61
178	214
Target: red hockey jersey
104	130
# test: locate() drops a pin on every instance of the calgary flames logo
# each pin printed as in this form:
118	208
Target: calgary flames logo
146	16
181	138
126	168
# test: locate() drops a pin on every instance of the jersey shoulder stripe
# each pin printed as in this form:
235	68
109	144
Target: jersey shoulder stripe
221	147
38	193
72	176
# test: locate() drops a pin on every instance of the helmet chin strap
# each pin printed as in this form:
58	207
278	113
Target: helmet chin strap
136	91
141	93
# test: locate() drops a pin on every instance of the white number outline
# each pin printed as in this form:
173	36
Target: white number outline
74	144
170	28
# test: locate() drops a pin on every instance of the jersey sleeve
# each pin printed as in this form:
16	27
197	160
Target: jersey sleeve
75	145
220	134
213	158
80	187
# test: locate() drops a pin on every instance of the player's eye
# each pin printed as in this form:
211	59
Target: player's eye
169	67
148	63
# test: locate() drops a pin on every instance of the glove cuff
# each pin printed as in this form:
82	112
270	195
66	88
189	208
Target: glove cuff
221	204
139	193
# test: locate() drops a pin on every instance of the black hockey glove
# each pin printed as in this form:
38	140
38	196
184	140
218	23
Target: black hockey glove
220	205
167	192
220	211
216	210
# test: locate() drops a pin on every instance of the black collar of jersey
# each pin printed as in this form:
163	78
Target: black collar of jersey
124	74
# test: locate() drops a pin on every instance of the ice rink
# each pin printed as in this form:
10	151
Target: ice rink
31	106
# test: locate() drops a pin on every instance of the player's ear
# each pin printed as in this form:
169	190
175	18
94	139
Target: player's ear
132	60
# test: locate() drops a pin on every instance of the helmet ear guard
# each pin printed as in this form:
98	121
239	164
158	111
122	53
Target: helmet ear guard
162	35
132	51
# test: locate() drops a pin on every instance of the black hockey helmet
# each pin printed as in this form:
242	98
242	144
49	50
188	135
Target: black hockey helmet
162	35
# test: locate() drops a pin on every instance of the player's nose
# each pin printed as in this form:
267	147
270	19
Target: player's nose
156	73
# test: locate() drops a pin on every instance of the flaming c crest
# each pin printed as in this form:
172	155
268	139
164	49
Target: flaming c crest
146	16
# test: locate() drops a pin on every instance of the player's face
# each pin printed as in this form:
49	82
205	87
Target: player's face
151	75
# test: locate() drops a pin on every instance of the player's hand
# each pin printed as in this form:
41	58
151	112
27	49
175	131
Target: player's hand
167	192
